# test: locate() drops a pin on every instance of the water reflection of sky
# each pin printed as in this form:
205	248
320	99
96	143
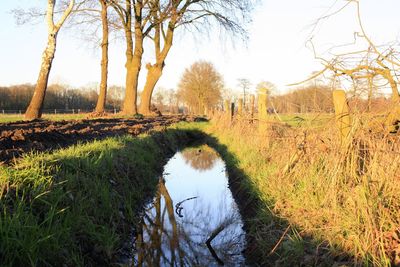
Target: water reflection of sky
205	208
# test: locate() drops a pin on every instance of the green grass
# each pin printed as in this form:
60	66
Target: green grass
78	205
305	119
4	118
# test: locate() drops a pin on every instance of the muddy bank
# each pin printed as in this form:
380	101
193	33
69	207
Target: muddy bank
17	138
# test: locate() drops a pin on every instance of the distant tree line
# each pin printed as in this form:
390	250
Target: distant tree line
58	96
304	100
318	98
308	99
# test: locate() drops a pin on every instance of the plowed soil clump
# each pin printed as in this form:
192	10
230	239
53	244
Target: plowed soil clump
17	138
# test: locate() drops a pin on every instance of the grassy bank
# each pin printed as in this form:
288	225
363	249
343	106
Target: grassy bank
77	206
320	207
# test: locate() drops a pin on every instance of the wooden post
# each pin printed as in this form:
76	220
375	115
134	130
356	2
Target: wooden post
240	107
342	114
262	109
226	106
232	112
252	101
227	110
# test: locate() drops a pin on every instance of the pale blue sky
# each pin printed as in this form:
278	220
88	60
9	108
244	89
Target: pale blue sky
275	51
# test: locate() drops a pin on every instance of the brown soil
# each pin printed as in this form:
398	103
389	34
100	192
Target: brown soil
20	137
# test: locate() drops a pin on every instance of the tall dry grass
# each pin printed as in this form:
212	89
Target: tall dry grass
346	195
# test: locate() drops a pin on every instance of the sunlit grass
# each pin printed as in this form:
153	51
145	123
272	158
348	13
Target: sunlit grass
304	119
4	118
325	195
66	207
78	205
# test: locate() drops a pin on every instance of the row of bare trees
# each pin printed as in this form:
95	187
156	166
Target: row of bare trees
61	97
140	20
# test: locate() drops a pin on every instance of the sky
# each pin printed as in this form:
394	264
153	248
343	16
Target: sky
275	51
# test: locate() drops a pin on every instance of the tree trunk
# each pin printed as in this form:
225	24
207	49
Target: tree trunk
133	66
101	101
34	110
153	75
155	71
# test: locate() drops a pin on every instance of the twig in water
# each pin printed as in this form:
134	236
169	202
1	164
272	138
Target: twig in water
178	208
208	243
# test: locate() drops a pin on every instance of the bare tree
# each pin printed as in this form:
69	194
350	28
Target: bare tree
369	65
200	86
168	15
86	18
34	110
134	45
269	86
244	84
101	101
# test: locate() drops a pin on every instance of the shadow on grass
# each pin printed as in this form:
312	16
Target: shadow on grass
78	206
272	241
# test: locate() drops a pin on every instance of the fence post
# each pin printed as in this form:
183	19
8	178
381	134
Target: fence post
55	111
262	109
342	115
115	111
252	101
240	107
79	110
3	111
232	112
227	109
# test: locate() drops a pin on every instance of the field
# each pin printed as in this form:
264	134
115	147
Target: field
4	118
275	145
303	197
19	137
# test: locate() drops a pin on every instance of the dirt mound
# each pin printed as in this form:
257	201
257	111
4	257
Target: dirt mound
17	138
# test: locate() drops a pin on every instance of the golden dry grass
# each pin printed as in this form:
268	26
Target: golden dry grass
347	195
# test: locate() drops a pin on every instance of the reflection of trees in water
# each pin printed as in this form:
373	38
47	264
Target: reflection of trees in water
200	158
164	241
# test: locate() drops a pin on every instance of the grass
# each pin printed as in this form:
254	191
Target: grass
4	118
333	206
77	206
329	205
304	119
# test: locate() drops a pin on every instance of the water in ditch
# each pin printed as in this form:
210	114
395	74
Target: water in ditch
193	219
